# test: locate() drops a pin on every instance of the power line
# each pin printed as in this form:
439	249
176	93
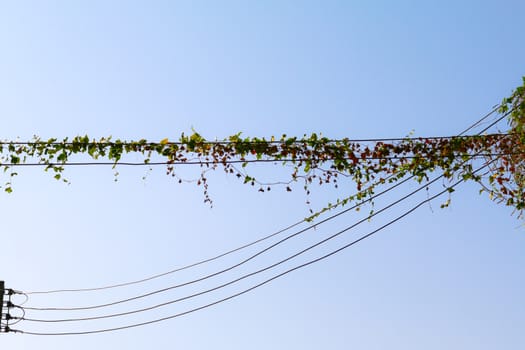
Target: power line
494	110
230	251
249	244
230	268
260	252
288	141
267	248
247	161
263	282
171	271
503	116
242	277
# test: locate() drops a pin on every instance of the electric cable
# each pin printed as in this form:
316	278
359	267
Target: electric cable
482	131
246	161
185	267
263	282
268	248
227	142
220	272
260	252
16	318
472	126
503	116
217	256
221	255
249	274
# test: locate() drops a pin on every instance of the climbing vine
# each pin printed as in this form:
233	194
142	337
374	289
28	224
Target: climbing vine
311	159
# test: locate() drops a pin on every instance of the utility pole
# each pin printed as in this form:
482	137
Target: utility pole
2	291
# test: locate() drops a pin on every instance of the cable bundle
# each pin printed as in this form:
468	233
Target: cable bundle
239	282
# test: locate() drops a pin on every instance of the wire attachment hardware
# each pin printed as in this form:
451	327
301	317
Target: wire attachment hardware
5	306
4	327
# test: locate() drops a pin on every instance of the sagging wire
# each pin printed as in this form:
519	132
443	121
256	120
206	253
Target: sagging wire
478	122
265	281
295	234
428	199
249	274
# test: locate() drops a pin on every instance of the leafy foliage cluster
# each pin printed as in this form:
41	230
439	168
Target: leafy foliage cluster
312	159
514	106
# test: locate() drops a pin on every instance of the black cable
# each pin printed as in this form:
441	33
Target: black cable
220	272
25	295
190	282
494	109
216	257
174	270
226	142
497	121
230	267
218	162
265	281
16	318
292	257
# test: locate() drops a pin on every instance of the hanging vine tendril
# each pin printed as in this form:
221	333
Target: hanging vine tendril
310	159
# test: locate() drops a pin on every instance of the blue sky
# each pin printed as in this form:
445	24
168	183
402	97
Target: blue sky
441	278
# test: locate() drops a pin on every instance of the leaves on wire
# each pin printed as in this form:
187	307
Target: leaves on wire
312	159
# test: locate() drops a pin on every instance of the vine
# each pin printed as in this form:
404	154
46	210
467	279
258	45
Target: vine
313	159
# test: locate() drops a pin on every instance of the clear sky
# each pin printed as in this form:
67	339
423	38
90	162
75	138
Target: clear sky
439	279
